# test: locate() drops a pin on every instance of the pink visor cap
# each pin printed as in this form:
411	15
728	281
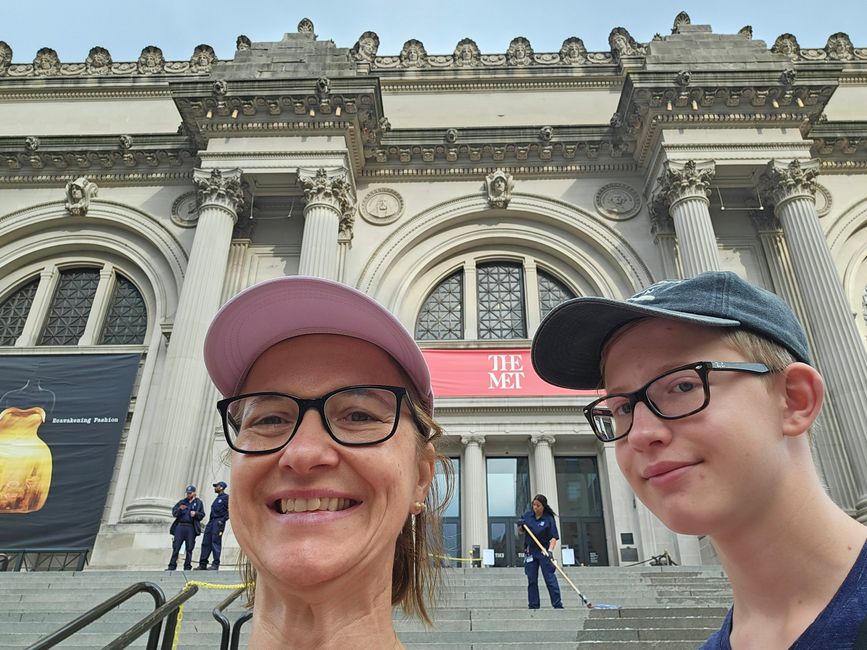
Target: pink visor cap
279	309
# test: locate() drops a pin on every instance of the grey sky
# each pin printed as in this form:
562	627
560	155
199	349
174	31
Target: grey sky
177	26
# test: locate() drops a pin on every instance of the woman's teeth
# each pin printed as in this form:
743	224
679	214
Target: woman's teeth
330	504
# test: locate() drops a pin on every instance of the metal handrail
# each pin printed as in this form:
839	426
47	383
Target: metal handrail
103	608
217	613
236	631
168	611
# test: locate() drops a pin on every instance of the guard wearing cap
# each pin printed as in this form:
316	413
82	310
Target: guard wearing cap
212	540
188	514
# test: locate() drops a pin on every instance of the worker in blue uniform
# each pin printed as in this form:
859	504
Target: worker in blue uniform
188	514
212	539
540	520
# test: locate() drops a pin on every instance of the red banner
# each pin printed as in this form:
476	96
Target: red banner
488	373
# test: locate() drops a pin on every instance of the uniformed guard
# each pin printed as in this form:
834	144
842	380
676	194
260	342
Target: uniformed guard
188	514
540	520
212	540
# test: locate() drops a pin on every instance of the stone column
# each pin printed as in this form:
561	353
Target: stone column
534	311
48	279
662	229
471	301
178	435
546	476
828	441
475	494
328	213
839	351
685	188
96	319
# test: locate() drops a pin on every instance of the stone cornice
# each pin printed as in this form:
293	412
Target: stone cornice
104	159
553	170
395	86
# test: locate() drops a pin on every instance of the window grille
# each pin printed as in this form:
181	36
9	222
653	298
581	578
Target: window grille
501	301
70	307
126	320
442	315
551	293
14	310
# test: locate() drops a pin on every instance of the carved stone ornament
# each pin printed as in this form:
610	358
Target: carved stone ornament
31	143
305	26
839	47
687	180
413	54
243	42
546	133
5	57
746	31
334	191
185	210
203	58
824	201
46	62
125	142
220	87
782	182
682	78
617	201
622	44
382	206
78	195
466	53
98	61
499	186
679	21
151	60
221	188
787	45
365	47
573	51
519	52
451	136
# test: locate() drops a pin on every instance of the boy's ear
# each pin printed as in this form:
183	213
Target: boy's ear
804	394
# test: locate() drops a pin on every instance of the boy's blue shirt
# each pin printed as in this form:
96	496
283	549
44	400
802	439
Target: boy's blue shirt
835	628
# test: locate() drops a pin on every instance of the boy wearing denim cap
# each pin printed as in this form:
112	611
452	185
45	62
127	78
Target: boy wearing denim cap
708	395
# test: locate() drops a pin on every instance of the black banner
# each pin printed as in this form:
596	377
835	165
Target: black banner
61	417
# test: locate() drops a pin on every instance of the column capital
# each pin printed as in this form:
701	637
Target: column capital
689	180
473	439
219	188
333	189
544	439
661	222
782	182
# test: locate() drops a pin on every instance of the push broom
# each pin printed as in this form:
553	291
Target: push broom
563	573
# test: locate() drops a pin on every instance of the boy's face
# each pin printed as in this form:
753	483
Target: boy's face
711	472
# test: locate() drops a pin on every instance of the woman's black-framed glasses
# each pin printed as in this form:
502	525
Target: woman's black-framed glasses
355	416
676	393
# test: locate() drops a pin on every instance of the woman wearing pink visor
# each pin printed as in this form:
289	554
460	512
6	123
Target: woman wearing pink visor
328	411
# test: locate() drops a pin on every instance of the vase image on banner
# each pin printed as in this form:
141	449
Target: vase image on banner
25	459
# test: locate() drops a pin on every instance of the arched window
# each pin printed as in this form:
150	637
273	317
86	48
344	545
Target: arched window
87	306
13	312
442	315
500	299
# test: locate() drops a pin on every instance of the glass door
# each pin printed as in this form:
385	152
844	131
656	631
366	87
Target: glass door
581	524
508	498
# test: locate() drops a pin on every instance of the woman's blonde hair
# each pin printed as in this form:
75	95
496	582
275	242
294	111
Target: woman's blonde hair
416	576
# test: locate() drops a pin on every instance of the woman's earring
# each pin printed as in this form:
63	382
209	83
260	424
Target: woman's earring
420	507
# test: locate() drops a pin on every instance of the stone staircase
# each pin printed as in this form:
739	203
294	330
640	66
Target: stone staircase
669	608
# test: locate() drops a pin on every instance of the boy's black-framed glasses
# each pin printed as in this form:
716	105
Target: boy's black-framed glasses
676	393
354	416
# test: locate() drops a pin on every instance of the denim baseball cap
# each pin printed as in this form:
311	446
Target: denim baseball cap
191	488
282	308
567	347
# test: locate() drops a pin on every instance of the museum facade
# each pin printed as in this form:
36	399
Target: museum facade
470	193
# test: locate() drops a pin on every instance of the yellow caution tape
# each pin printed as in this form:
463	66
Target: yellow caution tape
203	585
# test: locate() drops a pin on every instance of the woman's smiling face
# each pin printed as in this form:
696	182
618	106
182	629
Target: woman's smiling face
317	510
